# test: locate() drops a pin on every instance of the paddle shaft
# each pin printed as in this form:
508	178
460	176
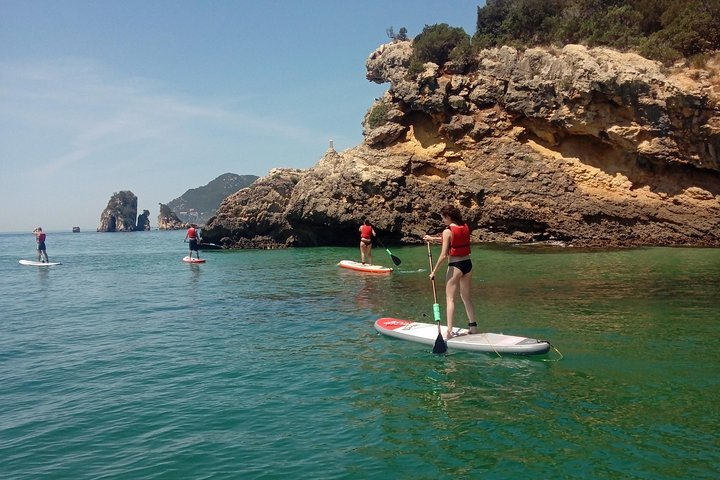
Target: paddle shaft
440	345
430	262
395	259
432	280
436	307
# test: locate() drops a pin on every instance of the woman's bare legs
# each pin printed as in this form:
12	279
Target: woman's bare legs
451	287
365	252
465	287
457	281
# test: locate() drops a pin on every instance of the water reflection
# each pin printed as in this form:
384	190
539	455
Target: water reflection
43	280
195	287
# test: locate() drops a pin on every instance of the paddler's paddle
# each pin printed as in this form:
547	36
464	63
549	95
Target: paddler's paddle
395	259
440	345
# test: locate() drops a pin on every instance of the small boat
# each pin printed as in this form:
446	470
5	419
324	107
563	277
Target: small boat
76	229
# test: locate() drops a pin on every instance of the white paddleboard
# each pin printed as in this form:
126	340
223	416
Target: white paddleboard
187	259
364	267
426	333
38	264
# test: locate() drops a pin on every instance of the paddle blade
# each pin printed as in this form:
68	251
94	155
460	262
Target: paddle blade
440	345
395	259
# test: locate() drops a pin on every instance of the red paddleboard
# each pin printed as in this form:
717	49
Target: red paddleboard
364	267
193	260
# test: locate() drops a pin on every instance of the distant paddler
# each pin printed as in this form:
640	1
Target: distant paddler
41	249
366	235
193	238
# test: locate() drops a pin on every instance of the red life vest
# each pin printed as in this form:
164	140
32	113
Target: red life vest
192	233
460	241
365	231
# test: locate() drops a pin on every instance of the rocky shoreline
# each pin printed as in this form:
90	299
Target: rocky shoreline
578	146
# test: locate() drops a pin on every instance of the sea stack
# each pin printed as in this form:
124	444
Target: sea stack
120	214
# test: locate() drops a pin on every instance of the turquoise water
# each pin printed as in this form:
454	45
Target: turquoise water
125	362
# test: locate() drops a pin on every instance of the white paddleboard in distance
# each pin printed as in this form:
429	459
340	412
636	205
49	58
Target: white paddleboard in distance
426	333
38	264
364	267
187	259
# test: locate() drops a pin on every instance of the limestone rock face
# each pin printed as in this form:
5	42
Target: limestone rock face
143	222
167	220
120	213
254	217
590	147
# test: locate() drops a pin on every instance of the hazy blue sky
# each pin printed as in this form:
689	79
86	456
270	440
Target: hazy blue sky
158	96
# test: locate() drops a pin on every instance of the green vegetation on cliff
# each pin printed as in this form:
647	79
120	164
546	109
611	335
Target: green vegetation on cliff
127	205
664	30
438	44
378	115
165	210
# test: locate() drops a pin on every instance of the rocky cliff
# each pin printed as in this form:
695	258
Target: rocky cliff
120	214
255	217
167	220
143	222
585	146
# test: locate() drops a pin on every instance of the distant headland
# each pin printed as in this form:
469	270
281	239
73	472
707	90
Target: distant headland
194	206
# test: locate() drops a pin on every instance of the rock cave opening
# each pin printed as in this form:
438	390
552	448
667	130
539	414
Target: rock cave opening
424	129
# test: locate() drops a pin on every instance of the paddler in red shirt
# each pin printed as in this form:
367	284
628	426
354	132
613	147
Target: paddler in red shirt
366	234
193	238
41	250
456	249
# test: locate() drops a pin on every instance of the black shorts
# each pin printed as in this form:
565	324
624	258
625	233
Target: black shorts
465	266
41	246
193	244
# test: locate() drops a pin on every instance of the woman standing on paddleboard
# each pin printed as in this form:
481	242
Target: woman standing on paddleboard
41	249
456	249
366	234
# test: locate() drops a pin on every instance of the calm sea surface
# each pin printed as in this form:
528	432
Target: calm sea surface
124	362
